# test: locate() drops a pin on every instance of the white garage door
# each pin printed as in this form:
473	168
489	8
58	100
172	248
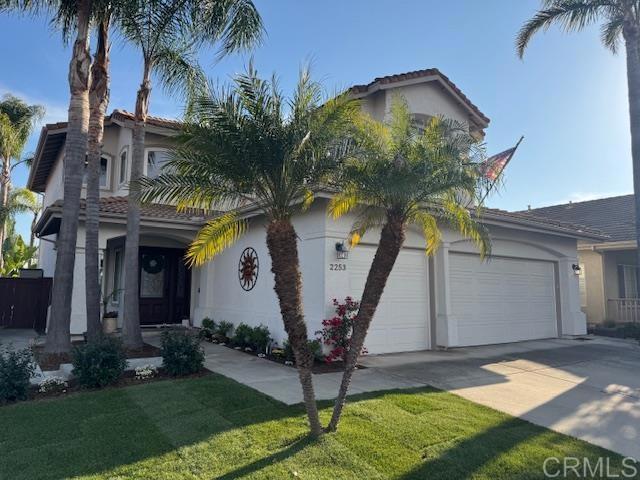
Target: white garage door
502	300
401	322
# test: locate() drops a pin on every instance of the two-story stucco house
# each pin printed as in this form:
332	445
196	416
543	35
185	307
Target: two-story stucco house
527	290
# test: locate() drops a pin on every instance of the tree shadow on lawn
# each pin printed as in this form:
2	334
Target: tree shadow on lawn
218	428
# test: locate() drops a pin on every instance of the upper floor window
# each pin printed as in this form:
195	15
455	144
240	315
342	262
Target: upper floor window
104	172
122	177
156	160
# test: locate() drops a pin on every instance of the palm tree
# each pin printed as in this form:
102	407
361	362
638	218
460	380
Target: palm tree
98	101
58	332
397	175
19	201
620	20
167	33
17	120
249	145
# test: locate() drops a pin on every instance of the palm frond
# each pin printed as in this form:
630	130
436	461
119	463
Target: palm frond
215	237
368	218
343	203
459	218
611	32
429	226
179	72
570	15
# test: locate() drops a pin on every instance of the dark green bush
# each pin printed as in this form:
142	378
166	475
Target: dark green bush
631	330
242	336
314	345
223	329
181	353
16	368
207	331
208	323
99	363
260	338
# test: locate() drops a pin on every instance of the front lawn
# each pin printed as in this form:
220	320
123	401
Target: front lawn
212	427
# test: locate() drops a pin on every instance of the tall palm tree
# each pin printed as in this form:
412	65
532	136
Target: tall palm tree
98	101
58	332
250	145
398	175
17	120
620	20
168	33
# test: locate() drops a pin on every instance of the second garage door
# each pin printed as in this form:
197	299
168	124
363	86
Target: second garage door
502	300
401	322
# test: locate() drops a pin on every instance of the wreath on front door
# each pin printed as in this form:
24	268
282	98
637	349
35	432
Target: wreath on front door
152	263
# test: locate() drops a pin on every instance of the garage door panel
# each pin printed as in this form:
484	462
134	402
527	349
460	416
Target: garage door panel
502	300
402	318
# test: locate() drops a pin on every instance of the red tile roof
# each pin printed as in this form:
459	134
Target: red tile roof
420	74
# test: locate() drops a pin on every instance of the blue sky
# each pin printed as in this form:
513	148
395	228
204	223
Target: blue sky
568	97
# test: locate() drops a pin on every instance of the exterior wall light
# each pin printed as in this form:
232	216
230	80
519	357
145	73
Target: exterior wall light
342	253
576	269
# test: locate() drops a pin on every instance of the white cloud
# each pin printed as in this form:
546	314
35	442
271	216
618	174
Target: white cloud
54	112
585	196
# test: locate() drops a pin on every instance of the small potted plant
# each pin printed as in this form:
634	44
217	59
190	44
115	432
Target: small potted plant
109	322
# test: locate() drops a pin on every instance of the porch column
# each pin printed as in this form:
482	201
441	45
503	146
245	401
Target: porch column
446	325
572	320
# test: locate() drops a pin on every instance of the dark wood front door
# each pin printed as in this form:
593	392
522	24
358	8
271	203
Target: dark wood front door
164	286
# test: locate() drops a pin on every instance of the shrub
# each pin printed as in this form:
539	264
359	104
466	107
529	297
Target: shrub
53	385
316	349
99	363
260	338
336	331
223	329
16	368
242	336
287	350
181	353
631	330
146	372
208	324
207	330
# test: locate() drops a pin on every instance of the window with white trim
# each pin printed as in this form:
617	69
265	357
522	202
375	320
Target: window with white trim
123	167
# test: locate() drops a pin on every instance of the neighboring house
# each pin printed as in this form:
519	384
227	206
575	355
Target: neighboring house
608	273
527	290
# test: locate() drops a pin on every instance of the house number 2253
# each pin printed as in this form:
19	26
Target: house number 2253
337	267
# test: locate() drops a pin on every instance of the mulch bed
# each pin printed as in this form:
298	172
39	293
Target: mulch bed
49	361
318	366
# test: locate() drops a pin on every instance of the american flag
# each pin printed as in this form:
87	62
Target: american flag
493	166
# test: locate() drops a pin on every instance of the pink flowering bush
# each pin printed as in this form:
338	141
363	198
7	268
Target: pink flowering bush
336	331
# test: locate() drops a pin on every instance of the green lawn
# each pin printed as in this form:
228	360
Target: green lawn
212	427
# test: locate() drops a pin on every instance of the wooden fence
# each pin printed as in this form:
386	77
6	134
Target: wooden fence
24	302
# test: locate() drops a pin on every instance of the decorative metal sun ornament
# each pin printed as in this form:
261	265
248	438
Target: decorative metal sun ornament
248	269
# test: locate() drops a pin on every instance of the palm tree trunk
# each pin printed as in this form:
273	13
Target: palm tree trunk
631	34
4	198
391	241
285	265
131	331
98	100
58	333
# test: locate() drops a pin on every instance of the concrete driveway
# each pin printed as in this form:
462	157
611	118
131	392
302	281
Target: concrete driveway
589	389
